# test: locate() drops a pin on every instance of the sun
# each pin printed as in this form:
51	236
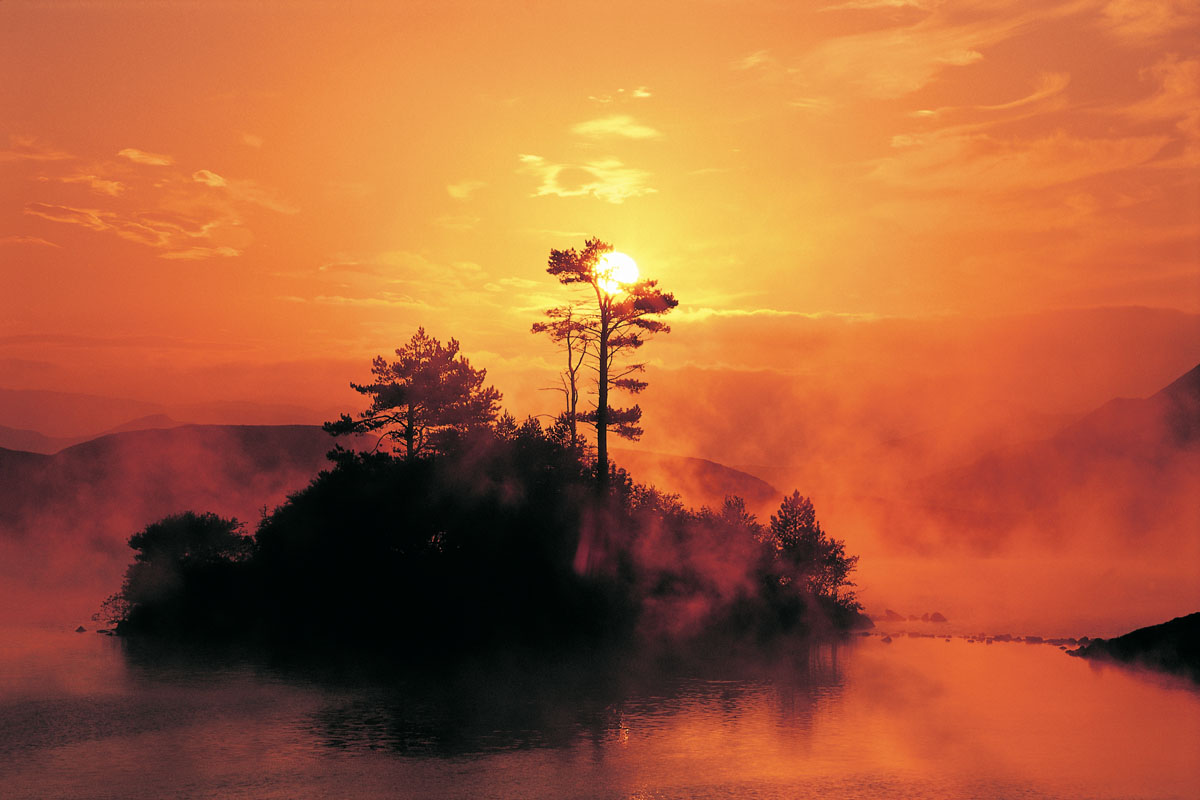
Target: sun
614	271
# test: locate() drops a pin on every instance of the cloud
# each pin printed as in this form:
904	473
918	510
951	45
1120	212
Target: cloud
28	148
620	125
980	162
701	314
255	194
606	179
95	182
405	267
812	103
185	215
638	93
1049	84
177	235
519	283
464	189
200	253
896	61
142	157
208	178
758	58
33	240
1177	98
1140	21
250	140
386	300
88	218
869	5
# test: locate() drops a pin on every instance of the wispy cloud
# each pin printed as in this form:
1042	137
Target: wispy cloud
620	125
142	157
606	179
250	140
30	240
464	189
96	183
385	300
637	93
1177	99
177	236
1141	21
29	148
1049	84
701	314
980	162
758	58
185	215
200	253
87	218
812	103
251	192
870	5
896	61
208	178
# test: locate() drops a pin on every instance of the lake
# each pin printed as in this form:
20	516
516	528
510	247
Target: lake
88	716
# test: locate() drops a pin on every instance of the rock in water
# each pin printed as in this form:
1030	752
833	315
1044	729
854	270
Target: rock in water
1170	647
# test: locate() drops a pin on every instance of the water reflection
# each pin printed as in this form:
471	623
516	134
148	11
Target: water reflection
917	718
598	703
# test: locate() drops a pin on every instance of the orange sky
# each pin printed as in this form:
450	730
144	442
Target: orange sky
216	200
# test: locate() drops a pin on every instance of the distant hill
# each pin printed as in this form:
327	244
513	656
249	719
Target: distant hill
65	518
68	414
1130	469
76	417
125	480
32	441
146	423
35	442
697	481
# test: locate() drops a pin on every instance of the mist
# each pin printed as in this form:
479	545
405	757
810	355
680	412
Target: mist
65	519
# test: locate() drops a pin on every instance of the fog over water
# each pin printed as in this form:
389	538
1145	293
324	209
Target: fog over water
89	716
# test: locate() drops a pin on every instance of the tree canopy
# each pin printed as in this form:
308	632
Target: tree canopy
429	390
815	561
622	318
500	540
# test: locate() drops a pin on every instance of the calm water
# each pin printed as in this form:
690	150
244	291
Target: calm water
83	717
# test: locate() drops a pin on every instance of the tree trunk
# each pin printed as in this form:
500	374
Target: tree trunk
410	434
602	398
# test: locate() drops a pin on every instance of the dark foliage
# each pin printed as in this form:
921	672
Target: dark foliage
428	393
498	540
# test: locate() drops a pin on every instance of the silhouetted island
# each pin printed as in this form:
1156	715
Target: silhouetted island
1170	647
499	537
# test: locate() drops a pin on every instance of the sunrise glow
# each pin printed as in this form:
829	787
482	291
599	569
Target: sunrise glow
615	271
912	357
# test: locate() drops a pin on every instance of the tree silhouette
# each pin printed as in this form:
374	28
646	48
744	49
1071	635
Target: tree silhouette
624	317
566	327
178	558
816	562
429	391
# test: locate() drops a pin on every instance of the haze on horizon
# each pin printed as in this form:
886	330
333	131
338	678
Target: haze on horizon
956	224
